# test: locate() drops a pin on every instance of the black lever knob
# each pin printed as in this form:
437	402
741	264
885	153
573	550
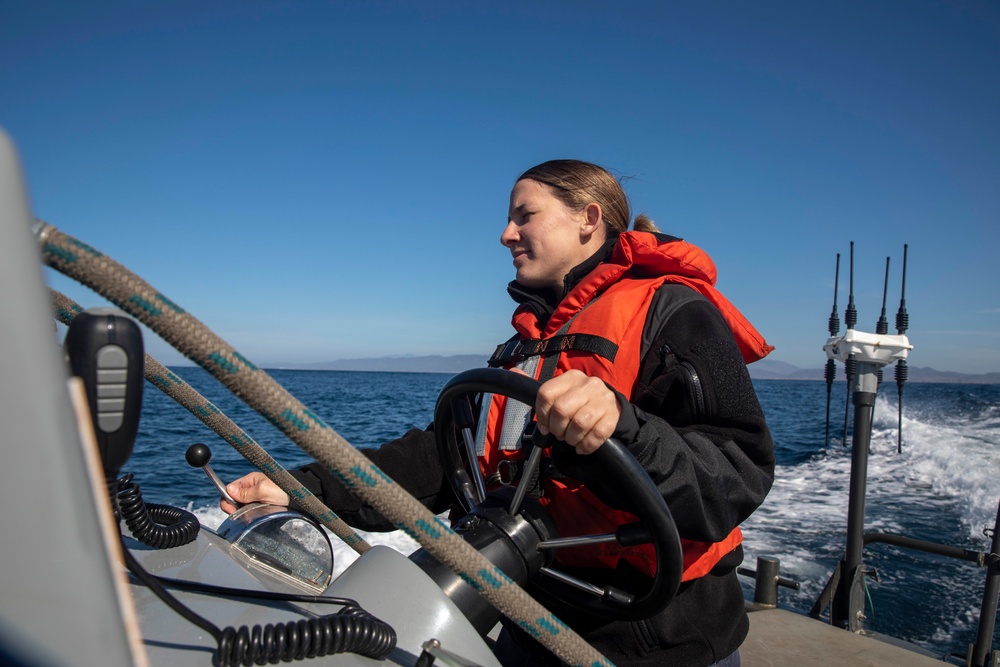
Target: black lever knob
198	455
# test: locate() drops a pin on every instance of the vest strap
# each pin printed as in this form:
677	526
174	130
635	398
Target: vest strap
511	471
518	349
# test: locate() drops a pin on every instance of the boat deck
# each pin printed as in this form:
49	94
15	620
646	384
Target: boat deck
779	637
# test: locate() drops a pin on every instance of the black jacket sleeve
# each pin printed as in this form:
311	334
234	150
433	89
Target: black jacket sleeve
411	461
695	423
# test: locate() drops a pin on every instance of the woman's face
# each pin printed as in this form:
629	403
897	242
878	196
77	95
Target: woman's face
546	237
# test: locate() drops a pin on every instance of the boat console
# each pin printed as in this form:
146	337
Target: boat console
267	570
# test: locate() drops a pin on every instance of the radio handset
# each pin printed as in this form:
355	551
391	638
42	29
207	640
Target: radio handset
104	348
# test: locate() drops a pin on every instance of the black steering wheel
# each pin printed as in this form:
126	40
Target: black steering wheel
611	472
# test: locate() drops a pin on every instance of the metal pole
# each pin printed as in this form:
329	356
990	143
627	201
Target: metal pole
848	603
863	400
988	614
765	589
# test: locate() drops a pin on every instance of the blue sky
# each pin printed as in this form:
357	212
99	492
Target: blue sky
324	180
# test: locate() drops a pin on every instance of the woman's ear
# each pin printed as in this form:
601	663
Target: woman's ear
593	220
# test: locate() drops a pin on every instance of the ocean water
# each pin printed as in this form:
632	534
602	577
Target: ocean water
943	487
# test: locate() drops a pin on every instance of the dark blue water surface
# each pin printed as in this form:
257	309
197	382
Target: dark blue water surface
943	487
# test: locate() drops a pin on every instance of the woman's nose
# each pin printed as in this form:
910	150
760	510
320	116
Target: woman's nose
509	234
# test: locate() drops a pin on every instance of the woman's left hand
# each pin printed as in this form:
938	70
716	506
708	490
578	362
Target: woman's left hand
578	409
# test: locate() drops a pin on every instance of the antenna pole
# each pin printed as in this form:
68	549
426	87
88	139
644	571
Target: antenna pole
830	372
850	364
864	355
882	326
901	371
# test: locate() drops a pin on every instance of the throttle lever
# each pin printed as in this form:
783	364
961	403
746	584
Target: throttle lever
198	456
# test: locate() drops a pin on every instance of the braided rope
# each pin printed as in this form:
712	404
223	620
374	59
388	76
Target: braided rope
261	392
170	384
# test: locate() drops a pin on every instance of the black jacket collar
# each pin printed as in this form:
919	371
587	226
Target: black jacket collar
543	301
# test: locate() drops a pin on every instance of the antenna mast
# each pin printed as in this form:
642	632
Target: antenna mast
851	363
830	372
864	354
901	370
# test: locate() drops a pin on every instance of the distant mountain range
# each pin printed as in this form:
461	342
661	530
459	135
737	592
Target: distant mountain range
765	369
401	364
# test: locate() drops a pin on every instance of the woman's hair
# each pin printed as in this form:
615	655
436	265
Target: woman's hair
576	183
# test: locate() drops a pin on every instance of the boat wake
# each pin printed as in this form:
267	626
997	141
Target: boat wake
943	487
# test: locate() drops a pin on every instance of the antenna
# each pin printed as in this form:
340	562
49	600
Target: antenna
830	372
901	370
851	363
851	314
834	323
882	327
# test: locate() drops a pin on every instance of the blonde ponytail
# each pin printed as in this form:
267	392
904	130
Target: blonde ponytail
644	224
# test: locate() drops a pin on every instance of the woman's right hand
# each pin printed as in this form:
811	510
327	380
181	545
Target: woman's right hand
253	488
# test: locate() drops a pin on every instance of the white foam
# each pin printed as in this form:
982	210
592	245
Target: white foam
946	478
948	456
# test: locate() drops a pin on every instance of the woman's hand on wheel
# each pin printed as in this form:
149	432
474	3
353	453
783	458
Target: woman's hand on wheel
578	409
253	488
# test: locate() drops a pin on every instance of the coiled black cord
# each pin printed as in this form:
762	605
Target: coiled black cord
350	630
157	526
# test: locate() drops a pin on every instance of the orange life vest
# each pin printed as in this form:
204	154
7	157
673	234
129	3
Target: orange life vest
611	303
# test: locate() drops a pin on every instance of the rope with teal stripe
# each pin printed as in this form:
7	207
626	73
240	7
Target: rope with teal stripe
173	386
261	392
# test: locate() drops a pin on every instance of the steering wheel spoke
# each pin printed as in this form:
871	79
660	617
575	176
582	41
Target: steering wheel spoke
579	541
530	468
609	594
